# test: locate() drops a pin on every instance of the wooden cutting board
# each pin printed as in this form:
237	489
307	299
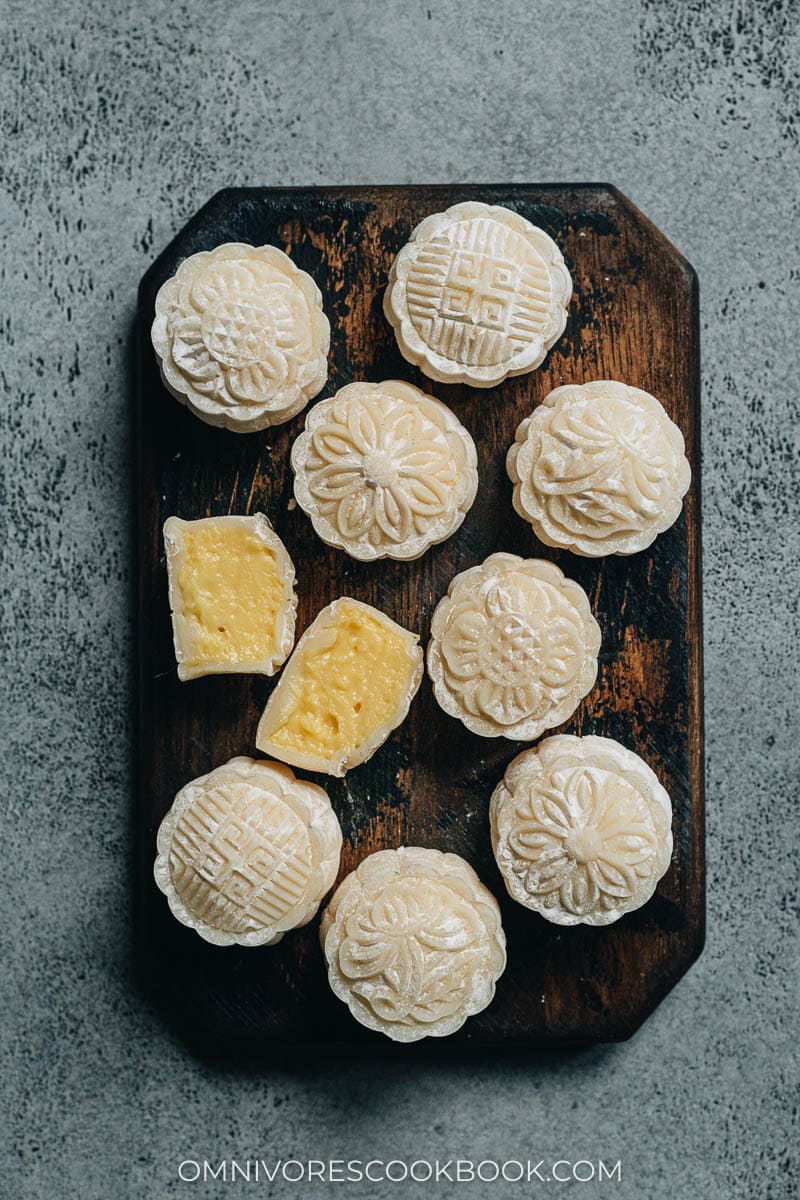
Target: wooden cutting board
634	317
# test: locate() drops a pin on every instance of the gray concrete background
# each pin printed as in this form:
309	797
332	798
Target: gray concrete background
117	123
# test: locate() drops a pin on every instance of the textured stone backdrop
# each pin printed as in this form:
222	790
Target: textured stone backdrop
118	121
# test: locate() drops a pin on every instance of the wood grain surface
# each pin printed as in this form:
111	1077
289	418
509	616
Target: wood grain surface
633	317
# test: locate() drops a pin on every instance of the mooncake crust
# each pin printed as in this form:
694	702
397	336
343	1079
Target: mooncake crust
477	294
581	830
241	337
260	526
513	647
338	763
599	468
413	942
384	470
247	852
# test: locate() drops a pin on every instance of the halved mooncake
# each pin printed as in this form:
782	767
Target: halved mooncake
384	471
581	830
231	592
513	647
477	294
247	852
414	943
599	468
241	337
348	684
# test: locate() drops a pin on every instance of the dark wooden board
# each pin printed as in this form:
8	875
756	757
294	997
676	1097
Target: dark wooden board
634	317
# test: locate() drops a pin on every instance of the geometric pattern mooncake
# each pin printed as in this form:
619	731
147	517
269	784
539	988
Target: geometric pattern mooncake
581	830
384	471
513	647
599	468
241	337
413	943
247	852
477	294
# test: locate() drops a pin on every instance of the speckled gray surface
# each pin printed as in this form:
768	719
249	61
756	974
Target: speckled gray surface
117	122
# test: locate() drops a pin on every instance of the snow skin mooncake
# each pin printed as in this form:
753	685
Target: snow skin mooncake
599	468
513	647
247	852
241	337
477	294
413	943
348	684
384	471
581	830
231	593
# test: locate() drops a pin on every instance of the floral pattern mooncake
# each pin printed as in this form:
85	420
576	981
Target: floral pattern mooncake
413	943
241	337
581	830
513	647
599	468
384	471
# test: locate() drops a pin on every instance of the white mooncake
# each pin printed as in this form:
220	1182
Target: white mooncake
513	647
241	337
581	830
247	852
477	294
384	471
348	684
413	943
599	468
231	592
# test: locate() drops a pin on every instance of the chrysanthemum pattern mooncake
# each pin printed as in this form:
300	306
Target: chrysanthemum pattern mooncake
581	830
414	943
241	337
247	852
477	294
513	647
384	471
599	468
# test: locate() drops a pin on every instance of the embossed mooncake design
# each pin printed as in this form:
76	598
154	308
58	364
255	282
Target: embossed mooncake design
241	337
581	830
599	468
384	471
477	294
414	943
247	852
513	647
348	684
231	593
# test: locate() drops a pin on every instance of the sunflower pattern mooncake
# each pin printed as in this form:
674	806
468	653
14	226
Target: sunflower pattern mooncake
384	471
581	830
513	647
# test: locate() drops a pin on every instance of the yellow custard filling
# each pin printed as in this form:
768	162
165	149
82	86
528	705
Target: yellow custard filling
231	591
348	682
